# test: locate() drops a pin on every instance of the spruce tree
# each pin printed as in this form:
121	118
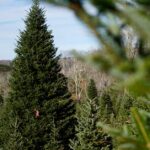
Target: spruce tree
93	96
92	90
39	102
1	100
106	104
88	137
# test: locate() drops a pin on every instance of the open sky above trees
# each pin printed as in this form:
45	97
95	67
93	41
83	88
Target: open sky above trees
69	33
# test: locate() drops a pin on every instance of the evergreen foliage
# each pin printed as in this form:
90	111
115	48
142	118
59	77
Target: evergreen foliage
92	95
131	73
39	102
1	100
22	129
87	136
106	104
92	90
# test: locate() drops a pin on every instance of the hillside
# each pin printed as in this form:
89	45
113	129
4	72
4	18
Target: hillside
4	78
77	72
5	62
5	65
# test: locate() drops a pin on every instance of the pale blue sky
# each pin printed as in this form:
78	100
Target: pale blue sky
69	33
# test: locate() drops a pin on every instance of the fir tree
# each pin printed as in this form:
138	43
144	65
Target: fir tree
92	90
39	99
88	137
93	98
106	104
1	100
85	128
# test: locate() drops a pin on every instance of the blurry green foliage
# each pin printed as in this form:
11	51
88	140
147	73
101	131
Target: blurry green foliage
102	5
113	57
129	141
132	73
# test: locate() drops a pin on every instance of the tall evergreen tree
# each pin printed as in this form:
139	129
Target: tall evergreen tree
39	102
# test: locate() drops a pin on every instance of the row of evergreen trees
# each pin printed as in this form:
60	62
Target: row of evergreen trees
38	113
88	137
107	106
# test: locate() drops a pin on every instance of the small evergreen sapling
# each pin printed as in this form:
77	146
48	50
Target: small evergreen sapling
1	100
106	105
92	90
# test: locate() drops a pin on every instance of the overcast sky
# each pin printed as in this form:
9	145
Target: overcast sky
69	33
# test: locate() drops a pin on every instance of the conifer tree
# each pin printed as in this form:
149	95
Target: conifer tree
39	102
93	98
88	137
1	100
106	104
92	90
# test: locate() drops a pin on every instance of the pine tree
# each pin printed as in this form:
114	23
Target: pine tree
92	95
106	104
92	90
85	128
1	100
39	99
88	137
